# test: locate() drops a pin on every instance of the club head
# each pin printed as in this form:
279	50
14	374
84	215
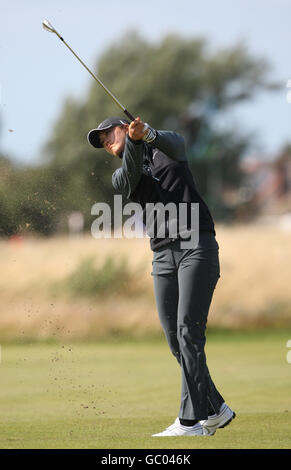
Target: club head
46	25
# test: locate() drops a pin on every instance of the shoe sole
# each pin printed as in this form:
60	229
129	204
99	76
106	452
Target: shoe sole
223	425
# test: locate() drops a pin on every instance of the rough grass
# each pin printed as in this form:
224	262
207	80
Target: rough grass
86	280
253	291
113	394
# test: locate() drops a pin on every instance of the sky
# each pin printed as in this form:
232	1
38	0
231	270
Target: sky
37	72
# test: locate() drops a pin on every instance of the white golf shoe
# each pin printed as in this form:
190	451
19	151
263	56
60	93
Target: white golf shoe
178	429
216	421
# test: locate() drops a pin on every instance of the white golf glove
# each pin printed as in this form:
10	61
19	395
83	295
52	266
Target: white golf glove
151	134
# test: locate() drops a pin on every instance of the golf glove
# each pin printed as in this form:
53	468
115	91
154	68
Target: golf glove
151	134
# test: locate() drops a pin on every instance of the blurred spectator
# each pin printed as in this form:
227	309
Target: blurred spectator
76	223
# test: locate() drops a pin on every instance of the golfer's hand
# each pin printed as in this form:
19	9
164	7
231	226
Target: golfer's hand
136	129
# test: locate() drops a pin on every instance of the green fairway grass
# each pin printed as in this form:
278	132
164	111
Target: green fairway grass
115	393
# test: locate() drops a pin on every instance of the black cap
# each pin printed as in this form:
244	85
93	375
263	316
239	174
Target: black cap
93	135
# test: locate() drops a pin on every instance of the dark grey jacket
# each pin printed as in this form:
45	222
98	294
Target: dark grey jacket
159	172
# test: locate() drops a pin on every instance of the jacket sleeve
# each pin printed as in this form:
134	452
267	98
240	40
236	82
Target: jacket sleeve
172	144
126	178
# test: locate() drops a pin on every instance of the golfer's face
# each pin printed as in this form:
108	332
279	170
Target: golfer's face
113	140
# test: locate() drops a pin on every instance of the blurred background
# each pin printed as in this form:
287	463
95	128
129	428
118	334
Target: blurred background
213	72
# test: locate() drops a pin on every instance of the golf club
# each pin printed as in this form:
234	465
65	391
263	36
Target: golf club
48	27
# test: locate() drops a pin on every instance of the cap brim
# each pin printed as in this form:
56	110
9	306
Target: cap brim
93	136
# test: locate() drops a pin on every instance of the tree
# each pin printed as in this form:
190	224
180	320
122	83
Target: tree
170	85
176	84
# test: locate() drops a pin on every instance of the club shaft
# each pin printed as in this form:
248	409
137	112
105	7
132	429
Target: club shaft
97	80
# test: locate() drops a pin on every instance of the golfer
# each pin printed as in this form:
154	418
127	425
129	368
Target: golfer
154	169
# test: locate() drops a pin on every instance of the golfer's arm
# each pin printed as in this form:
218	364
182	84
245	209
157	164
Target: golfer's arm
126	178
172	144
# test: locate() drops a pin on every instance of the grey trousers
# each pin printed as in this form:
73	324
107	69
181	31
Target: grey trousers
184	282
